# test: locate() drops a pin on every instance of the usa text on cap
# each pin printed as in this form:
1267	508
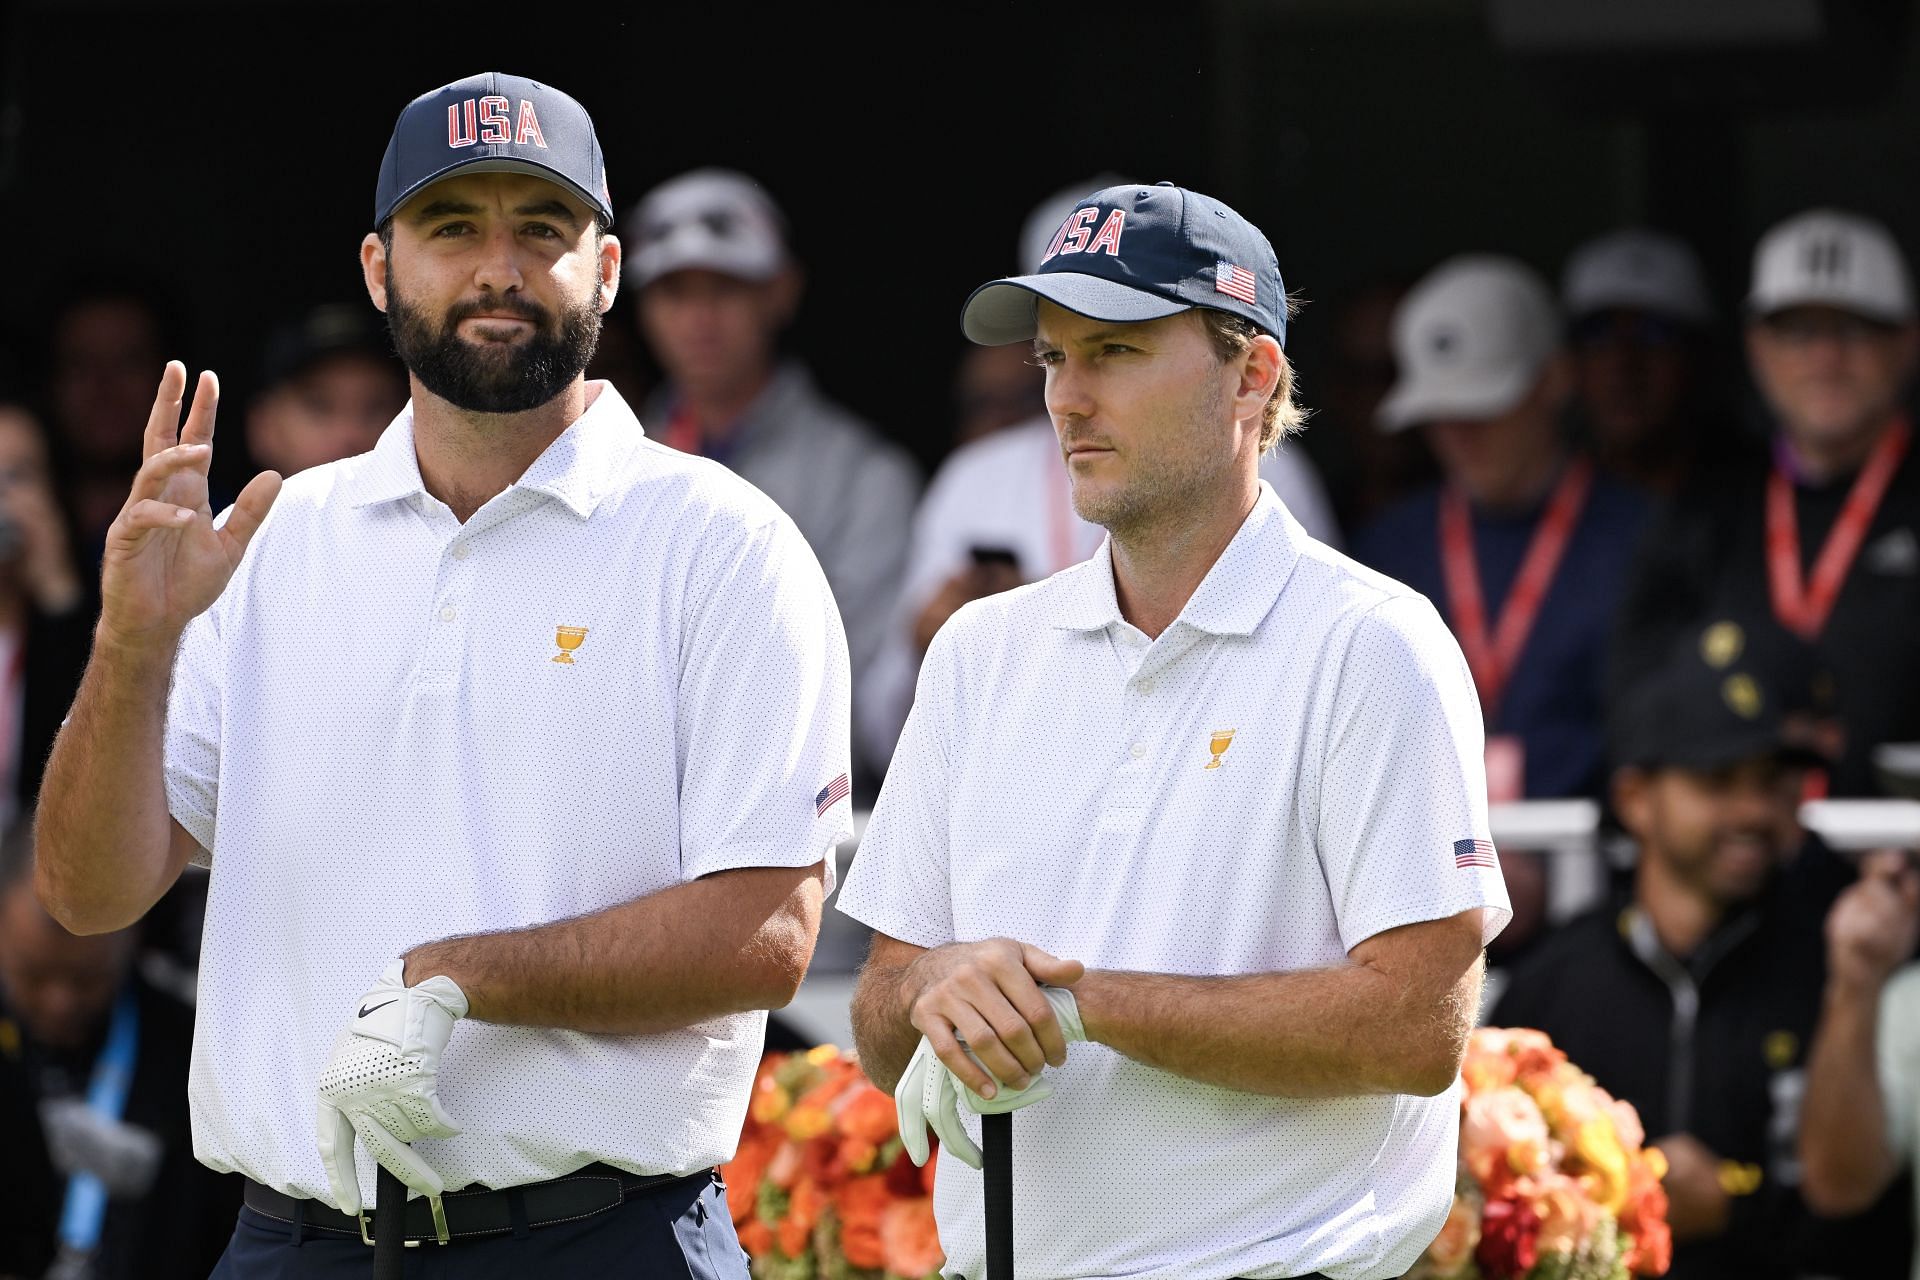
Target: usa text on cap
1129	254
493	123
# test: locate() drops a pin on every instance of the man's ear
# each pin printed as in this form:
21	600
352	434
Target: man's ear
373	269
611	255
1633	799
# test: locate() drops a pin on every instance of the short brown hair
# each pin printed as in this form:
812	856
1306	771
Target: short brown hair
1231	335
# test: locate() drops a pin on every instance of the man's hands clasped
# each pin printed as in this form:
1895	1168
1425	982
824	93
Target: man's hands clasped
989	1029
382	1083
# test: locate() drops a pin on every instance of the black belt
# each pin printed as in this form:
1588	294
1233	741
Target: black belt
479	1211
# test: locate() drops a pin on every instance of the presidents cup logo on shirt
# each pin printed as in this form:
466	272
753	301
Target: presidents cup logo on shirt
492	120
1217	743
1076	234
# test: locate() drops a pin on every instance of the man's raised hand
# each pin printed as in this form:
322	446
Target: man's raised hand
165	562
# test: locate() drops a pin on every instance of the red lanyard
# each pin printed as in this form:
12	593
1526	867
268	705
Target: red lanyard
682	431
1803	607
1492	659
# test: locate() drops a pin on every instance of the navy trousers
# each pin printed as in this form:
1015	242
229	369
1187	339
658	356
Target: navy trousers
677	1233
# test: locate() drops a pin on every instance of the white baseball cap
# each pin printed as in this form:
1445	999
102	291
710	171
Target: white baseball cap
709	219
1470	339
1636	269
1827	258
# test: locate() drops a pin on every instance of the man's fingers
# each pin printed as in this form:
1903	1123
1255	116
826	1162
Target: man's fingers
206	403
151	513
1048	1038
946	1046
336	1157
154	473
1050	969
163	423
986	1046
397	1157
250	508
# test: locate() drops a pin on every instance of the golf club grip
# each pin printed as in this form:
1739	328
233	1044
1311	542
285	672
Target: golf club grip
389	1227
996	1149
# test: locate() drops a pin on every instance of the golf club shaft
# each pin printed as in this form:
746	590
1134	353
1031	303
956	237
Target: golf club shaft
996	1145
389	1227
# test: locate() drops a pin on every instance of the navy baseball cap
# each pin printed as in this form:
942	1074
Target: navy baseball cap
1132	253
493	123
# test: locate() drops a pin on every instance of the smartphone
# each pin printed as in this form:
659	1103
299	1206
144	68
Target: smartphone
984	556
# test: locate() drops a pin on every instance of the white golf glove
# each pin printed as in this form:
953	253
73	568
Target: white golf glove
382	1083
928	1094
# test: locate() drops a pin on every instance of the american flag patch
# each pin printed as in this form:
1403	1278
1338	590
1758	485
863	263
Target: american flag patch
830	795
1235	282
1474	853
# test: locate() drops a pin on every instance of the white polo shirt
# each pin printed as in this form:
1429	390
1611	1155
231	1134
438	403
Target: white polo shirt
1053	784
1010	489
375	736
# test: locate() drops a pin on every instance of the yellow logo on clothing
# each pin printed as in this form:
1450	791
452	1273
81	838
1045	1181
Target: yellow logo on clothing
1218	744
569	639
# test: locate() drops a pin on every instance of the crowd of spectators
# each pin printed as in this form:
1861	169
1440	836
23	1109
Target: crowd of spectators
1687	595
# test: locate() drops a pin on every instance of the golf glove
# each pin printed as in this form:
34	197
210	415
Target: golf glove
928	1095
382	1083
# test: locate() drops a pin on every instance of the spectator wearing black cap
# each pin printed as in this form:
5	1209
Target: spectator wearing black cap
1695	999
1822	534
98	1160
707	254
1523	545
330	387
1638	324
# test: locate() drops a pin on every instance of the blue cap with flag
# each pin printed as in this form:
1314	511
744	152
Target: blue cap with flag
493	123
1133	253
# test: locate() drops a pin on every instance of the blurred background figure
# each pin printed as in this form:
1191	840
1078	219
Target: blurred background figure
1711	972
108	342
46	616
1368	470
329	387
999	512
1523	545
995	388
707	255
1821	534
1638	322
99	1178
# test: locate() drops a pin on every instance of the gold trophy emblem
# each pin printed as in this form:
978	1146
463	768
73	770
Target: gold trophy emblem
1218	744
569	639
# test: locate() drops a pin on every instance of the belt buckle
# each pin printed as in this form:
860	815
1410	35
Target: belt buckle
440	1234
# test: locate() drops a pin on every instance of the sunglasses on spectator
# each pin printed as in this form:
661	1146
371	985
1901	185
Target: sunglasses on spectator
1627	329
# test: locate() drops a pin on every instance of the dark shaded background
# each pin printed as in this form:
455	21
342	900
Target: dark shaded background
231	148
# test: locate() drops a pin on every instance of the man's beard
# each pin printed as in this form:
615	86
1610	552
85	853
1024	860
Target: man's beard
494	377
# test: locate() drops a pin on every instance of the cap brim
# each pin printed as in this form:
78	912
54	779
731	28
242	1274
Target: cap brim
648	266
1733	749
1004	311
1761	307
498	164
1433	399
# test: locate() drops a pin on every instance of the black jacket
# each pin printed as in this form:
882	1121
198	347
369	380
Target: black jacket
1716	1046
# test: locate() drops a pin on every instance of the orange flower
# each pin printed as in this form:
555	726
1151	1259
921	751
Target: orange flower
909	1239
807	1121
861	1204
803	1214
1502	1135
858	1155
756	1237
742	1175
869	1115
1568	1217
1456	1241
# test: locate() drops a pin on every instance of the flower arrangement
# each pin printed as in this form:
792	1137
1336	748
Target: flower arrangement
1555	1182
821	1188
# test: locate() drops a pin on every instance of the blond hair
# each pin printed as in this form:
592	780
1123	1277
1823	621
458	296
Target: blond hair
1231	335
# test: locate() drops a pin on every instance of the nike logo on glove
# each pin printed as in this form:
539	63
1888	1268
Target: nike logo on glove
364	1011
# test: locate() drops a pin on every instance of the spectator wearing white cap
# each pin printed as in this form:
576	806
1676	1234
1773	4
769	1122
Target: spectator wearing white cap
1638	325
1820	534
1524	544
707	253
999	513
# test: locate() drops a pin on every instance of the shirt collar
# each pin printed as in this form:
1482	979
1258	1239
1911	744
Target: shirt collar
1233	599
579	468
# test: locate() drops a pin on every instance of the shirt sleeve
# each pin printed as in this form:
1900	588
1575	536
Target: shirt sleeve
1403	831
1898	1048
762	714
900	882
192	738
